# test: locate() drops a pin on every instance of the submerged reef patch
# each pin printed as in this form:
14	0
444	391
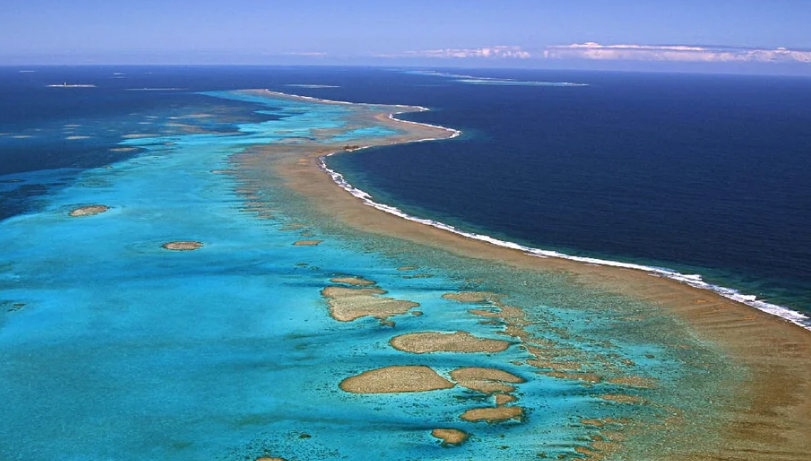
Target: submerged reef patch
307	243
182	245
89	210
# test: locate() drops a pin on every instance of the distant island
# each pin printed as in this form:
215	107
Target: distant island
304	85
71	85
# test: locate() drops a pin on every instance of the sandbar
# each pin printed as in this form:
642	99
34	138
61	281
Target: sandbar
434	341
396	379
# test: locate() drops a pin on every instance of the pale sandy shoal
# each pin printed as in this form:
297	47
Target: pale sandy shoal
348	304
777	352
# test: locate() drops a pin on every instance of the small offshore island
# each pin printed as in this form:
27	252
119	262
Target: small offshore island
265	309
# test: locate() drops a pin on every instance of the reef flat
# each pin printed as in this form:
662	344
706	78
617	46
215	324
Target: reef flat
765	385
308	325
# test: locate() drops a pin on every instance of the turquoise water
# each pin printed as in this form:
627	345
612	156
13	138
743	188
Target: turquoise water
117	349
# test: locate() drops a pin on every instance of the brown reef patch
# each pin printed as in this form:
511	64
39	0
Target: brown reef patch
348	304
623	398
450	437
473	296
486	380
355	281
492	415
585	377
308	243
634	381
396	379
434	341
504	399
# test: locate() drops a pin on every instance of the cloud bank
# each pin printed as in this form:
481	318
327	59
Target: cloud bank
492	52
592	51
674	53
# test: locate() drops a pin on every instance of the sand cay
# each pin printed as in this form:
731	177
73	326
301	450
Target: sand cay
766	418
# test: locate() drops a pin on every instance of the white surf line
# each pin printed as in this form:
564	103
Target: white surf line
693	280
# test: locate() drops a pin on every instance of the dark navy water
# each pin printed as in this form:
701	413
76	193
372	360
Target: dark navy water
707	174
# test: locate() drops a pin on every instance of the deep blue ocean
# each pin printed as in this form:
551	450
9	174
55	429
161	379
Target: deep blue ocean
702	174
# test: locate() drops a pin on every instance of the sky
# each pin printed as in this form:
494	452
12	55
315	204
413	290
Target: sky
392	32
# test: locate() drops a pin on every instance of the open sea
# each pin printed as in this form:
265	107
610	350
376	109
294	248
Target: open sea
115	348
701	174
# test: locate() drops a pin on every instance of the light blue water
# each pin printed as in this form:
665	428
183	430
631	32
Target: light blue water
117	349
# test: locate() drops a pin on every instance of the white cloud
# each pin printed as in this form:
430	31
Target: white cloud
312	54
492	52
673	53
